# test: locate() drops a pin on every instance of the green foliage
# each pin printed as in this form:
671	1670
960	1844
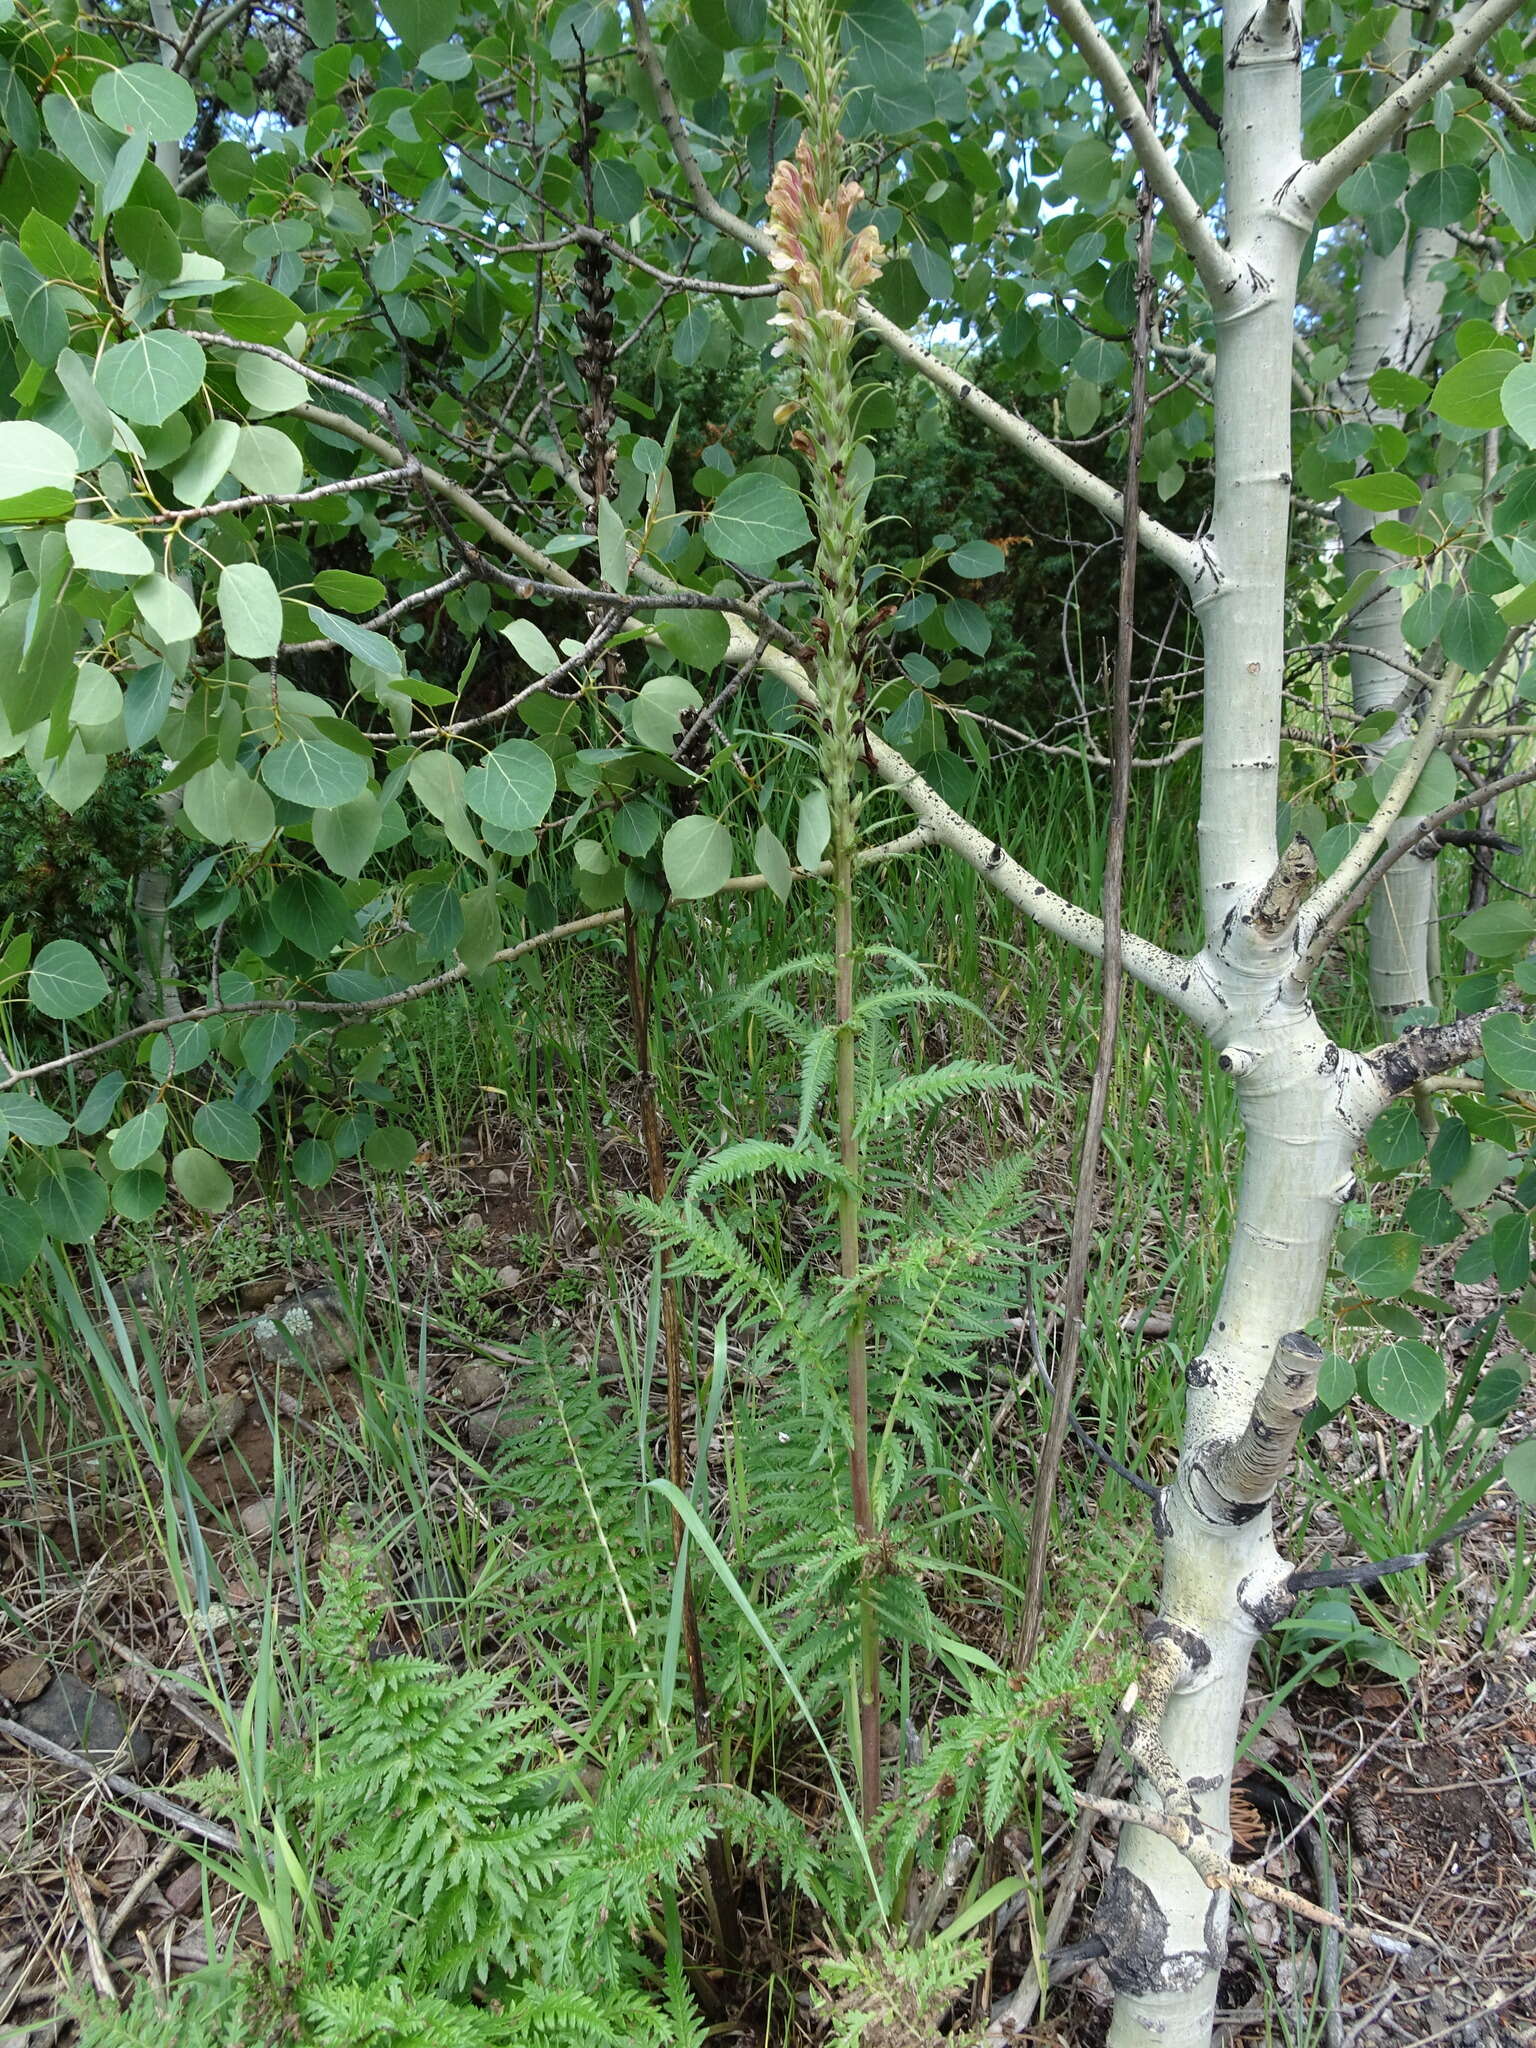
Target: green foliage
455	1868
69	874
939	1271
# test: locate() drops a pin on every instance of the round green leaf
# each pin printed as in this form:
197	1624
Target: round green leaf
34	1122
36	464
114	550
1469	394
1440	198
267	386
1381	491
146	100
201	1180
756	521
314	1161
391	1148
226	805
346	834
228	1132
368	647
1509	1050
1499	930
315	771
1395	1140
251	610
21	1238
1520	1471
66	980
150	377
1384	1265
180	1049
1434	788
656	715
1377	185
139	1139
513	787
696	857
71	1198
138	1194
978	559
170	612
311	911
1517	394
773	862
345	590
264	1041
1407	1379
1498	1392
266	460
206	463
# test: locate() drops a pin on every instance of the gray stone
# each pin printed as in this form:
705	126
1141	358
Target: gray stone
257	1518
312	1326
204	1425
478	1387
78	1717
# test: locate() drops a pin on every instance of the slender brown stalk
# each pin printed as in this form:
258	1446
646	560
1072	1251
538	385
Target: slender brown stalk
822	264
1086	1195
857	1346
722	1891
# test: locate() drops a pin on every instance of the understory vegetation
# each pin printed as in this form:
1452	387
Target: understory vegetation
470	1802
767	1075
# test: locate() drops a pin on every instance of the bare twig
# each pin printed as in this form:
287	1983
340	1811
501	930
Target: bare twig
179	1817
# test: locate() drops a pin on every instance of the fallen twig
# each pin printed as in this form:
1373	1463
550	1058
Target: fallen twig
181	1817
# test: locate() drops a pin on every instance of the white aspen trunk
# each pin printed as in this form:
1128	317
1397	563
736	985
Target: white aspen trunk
1396	321
1305	1104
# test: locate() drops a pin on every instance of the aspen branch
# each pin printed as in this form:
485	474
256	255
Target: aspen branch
1357	896
674	280
1163	972
1180	207
375	480
1499	95
1356	862
1192	563
1218	1871
1430	1049
1320	179
366	1006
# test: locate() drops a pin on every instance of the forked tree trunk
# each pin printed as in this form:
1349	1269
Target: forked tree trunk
1305	1102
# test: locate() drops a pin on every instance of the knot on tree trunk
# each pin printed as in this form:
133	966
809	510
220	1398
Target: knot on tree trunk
1232	1482
1294	879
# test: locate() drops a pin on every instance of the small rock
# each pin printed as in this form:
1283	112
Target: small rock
257	1519
509	1277
204	1425
476	1383
312	1327
258	1294
78	1717
472	1224
498	1177
477	1386
24	1679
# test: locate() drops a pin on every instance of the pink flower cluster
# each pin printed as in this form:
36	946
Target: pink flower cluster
821	264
